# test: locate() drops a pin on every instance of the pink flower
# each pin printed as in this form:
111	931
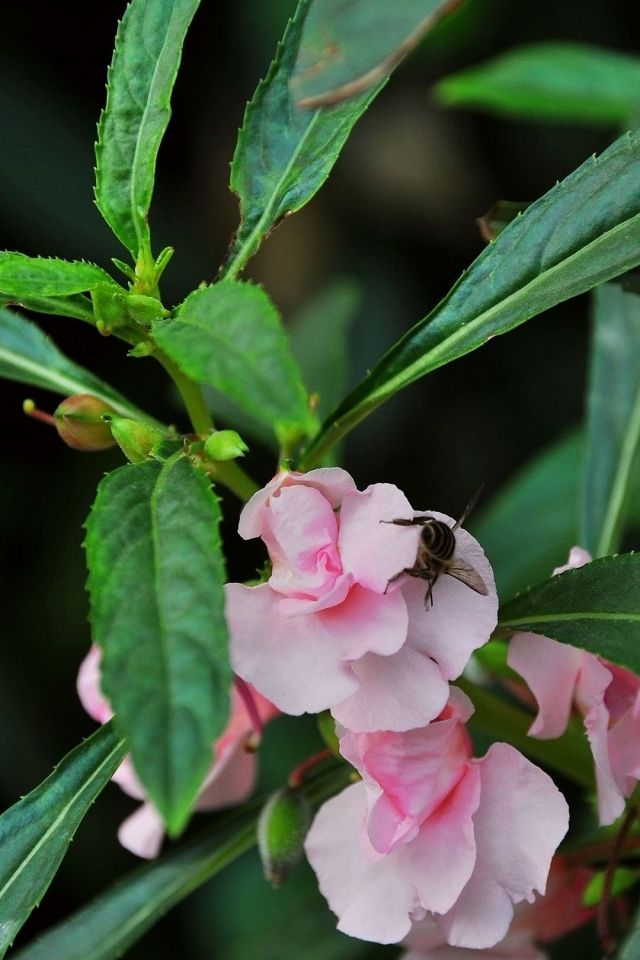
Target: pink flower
230	779
328	629
432	831
562	677
546	919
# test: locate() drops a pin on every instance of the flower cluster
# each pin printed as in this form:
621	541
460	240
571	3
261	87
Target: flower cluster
429	834
607	697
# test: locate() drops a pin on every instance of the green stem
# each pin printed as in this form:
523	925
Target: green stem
191	394
232	476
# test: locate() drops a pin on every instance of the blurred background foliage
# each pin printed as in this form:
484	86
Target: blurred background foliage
393	228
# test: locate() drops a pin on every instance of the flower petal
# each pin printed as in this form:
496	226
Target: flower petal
459	620
230	781
88	687
334	482
142	833
397	692
593	680
373	896
371	550
521	819
551	670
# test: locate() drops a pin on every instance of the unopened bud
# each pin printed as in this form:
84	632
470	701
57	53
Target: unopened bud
79	422
225	445
136	440
282	828
144	309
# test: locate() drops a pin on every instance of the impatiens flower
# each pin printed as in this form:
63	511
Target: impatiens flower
229	781
542	921
432	831
331	628
562	677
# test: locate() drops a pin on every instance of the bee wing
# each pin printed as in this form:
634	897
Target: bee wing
469	507
466	574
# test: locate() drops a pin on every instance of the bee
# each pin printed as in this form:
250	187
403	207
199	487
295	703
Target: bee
436	548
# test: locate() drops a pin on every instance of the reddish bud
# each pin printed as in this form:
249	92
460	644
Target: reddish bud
78	421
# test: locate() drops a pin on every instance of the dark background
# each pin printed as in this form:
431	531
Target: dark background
398	218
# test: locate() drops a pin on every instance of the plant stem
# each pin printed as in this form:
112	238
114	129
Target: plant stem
607	939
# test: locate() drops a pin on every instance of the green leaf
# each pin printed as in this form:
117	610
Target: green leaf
28	356
156	576
613	427
36	831
347	47
582	232
22	276
77	306
567	82
284	154
630	949
596	607
320	341
231	337
141	78
106	928
623	879
530	526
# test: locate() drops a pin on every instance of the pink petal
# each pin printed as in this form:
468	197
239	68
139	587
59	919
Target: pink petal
373	896
88	687
443	855
397	692
333	482
521	819
624	749
459	620
230	781
577	558
127	779
301	531
429	943
592	683
374	552
296	662
551	670
561	909
142	833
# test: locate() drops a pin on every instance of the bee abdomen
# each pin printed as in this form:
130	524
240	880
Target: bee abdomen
439	539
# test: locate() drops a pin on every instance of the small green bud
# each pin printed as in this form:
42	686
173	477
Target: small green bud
225	445
79	422
144	309
327	730
136	440
282	828
109	307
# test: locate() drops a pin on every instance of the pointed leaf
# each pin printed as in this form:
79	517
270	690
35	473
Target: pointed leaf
27	355
22	276
284	154
141	78
156	576
76	305
106	928
613	427
347	47
582	232
568	82
596	607
36	831
231	337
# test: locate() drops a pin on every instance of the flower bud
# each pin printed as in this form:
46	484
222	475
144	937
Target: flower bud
144	309
136	440
79	422
327	729
282	828
225	445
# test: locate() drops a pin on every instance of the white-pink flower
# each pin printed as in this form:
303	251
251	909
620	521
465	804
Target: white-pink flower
229	781
432	831
562	677
546	919
328	629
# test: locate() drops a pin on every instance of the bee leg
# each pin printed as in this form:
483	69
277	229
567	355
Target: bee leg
428	597
415	521
410	571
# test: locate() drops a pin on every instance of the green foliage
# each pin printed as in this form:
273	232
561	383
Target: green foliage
282	827
596	607
141	78
347	47
156	576
22	276
582	232
630	949
565	82
530	526
231	337
28	356
103	930
36	831
613	427
623	879
284	154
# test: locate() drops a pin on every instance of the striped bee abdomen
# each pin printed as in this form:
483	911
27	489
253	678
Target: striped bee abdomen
438	539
